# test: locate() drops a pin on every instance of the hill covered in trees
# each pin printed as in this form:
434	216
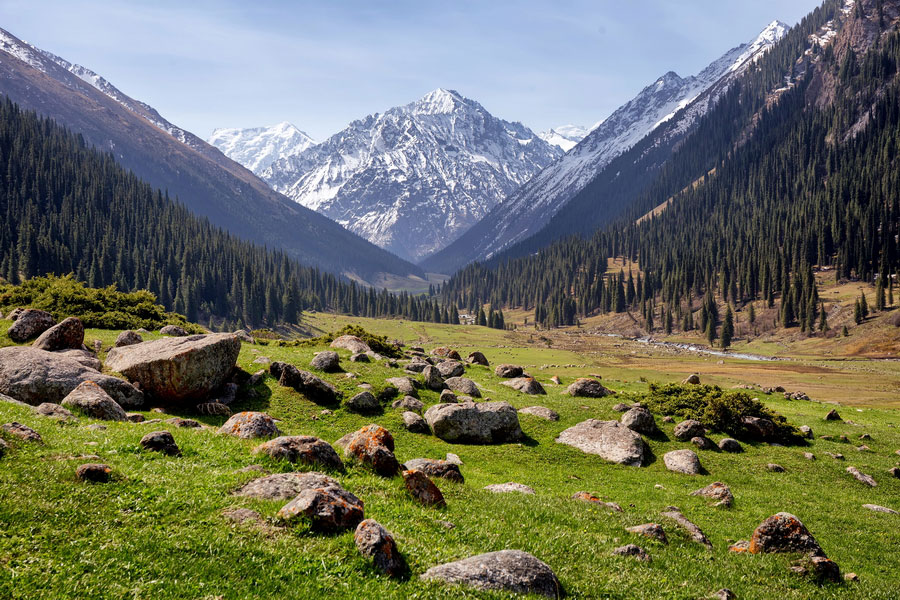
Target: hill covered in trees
793	170
70	209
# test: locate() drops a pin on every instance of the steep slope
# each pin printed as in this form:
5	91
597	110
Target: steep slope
528	210
205	180
257	148
415	177
92	218
803	190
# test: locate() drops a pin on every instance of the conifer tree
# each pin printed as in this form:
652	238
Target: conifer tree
727	328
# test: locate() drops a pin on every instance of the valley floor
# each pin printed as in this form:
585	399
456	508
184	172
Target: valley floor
158	531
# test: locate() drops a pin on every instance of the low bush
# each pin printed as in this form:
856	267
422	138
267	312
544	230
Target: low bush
100	308
717	409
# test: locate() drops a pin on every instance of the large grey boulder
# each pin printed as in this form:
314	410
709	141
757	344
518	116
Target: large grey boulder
179	368
404	385
352	343
609	440
327	509
478	358
90	399
464	386
363	403
526	385
508	371
173	330
435	468
36	376
688	429
587	388
682	461
29	324
507	570
65	335
84	357
433	378
469	423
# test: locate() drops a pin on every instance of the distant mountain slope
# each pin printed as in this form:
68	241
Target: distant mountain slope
529	209
566	137
257	148
414	177
204	179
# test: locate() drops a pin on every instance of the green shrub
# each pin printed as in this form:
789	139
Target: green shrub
101	308
378	343
717	409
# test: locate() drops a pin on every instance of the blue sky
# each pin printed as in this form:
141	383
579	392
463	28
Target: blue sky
322	64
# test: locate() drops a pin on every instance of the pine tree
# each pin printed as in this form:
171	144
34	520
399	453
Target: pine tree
751	314
823	322
857	312
879	294
863	305
710	332
727	329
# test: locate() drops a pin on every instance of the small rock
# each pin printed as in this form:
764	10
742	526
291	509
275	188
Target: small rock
587	388
695	532
717	491
683	461
448	397
173	330
445	352
650	530
818	568
774	468
692	379
67	334
54	411
640	420
91	400
363	403
415	423
668	419
724	594
359	357
703	443
93	472
403	385
327	360
30	323
689	429
832	415
852	577
436	468
503	488
555	379
282	486
160	441
314	388
95	427
633	550
302	449
758	428
453	459
250	425
328	509
541	412
783	532
243	516
620	407
881	509
730	445
375	542
450	368
507	570
508	371
809	456
185	423
23	432
433	379
592	499
422	489
807	432
894	472
373	446
128	338
463	385
477	358
862	477
408	403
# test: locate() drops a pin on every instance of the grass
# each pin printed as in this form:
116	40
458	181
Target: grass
157	530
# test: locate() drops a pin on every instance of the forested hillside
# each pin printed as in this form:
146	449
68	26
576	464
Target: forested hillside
810	182
68	208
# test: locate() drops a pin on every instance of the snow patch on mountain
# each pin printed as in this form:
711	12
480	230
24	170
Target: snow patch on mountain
529	208
566	136
413	178
258	147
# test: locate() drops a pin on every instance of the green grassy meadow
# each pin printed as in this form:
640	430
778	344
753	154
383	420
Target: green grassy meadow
157	530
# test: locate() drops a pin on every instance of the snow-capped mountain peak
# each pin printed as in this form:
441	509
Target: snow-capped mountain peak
530	207
566	136
258	147
414	177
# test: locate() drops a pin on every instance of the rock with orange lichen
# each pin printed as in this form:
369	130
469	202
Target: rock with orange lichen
423	489
375	542
330	508
372	446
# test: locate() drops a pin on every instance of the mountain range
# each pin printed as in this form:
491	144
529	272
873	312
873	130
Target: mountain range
413	178
171	158
258	147
673	100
